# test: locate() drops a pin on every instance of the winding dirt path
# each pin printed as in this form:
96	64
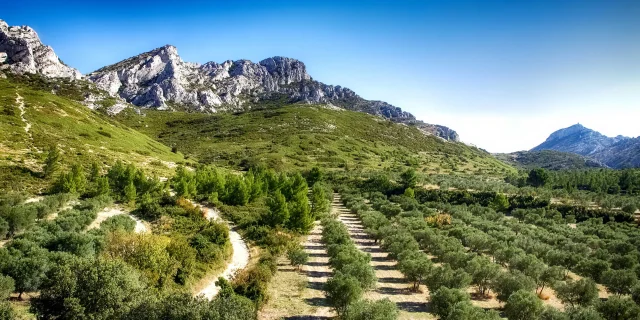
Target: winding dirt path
239	259
391	282
107	213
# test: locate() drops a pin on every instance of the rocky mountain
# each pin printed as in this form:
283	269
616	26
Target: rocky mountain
615	152
548	159
21	51
160	79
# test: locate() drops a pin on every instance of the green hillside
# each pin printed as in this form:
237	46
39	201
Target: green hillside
81	135
300	136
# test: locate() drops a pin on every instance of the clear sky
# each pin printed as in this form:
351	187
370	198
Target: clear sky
504	74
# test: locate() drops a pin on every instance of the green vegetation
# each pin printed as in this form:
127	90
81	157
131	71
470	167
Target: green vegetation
452	216
303	136
63	132
515	254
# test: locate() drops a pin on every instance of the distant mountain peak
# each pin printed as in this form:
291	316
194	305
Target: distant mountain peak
615	152
21	51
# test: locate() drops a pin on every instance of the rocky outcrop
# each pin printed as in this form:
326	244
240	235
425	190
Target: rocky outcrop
25	53
615	152
160	79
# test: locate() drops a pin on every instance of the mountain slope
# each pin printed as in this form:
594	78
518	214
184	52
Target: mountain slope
616	152
160	79
548	159
289	136
32	120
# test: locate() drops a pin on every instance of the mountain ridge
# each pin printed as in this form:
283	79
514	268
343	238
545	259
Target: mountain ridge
548	159
159	78
615	152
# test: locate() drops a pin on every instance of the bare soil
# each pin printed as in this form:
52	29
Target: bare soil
299	294
239	259
391	282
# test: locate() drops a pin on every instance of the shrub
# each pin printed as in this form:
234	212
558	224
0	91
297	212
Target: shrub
297	256
523	305
444	299
372	310
342	291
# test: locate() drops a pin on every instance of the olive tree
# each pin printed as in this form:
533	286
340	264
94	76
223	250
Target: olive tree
341	291
523	305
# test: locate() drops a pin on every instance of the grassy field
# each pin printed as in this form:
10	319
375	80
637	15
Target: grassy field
301	136
81	134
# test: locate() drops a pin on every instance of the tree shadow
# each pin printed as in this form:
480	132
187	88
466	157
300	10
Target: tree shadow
316	285
380	259
316	264
318	274
373	249
360	237
317	302
307	318
384	267
391	280
392	291
413	306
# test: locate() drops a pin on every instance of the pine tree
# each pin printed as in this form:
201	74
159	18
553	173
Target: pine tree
278	211
129	192
52	163
300	212
79	179
319	202
95	172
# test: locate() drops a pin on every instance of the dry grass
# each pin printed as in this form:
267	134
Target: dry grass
287	292
299	295
391	283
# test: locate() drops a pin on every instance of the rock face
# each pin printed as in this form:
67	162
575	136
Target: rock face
160	79
616	152
22	52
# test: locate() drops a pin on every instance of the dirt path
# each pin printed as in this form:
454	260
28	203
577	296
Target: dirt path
391	282
239	259
27	125
299	294
107	213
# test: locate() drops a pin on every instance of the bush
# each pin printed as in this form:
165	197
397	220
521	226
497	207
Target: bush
445	276
523	305
578	293
616	308
619	281
7	285
444	300
297	256
372	310
6	311
341	291
120	222
508	283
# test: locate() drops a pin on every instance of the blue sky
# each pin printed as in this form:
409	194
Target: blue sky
504	74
